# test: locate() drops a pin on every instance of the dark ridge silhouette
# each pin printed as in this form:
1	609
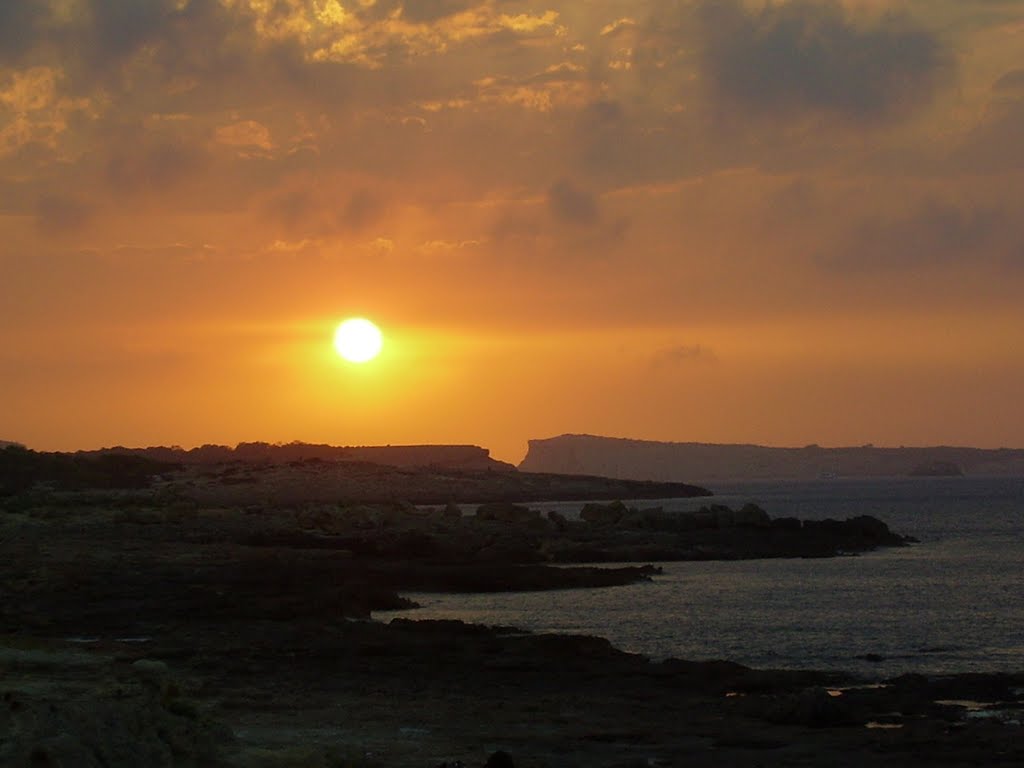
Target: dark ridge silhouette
22	469
706	462
300	473
455	456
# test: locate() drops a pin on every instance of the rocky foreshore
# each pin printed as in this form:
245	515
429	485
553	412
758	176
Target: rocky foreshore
145	627
329	693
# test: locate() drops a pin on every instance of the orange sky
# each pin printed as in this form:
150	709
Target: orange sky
700	220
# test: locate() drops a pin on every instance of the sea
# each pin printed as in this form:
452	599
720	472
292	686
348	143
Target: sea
951	603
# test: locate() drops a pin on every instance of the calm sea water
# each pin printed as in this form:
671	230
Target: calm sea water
952	603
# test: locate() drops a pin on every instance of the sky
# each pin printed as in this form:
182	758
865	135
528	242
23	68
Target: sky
693	220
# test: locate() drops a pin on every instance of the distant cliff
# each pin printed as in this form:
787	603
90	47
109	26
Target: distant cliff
703	462
448	456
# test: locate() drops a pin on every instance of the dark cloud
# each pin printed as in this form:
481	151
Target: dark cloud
121	27
420	11
153	167
292	208
20	24
569	203
936	234
167	54
58	215
362	209
603	140
996	145
305	213
1012	81
600	116
570	222
810	56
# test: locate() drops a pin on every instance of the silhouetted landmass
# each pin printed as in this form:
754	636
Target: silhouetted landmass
351	481
22	469
936	468
283	479
448	456
144	623
706	462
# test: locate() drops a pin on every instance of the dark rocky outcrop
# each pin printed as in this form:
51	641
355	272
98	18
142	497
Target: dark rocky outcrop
505	512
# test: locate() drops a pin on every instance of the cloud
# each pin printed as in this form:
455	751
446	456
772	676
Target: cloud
58	215
19	24
362	209
306	211
419	11
1012	81
683	354
153	167
619	26
935	234
804	56
245	134
996	145
120	27
568	203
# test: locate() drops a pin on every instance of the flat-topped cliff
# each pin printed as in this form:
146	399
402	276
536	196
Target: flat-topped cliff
704	462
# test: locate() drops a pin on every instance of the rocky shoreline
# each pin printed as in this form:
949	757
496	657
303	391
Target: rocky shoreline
144	627
297	694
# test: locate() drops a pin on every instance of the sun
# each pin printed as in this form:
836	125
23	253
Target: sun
358	340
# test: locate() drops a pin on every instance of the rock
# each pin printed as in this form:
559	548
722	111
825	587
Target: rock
154	675
644	519
451	512
603	514
97	728
686	521
505	512
705	519
558	520
752	516
786	523
873	529
500	759
724	517
813	707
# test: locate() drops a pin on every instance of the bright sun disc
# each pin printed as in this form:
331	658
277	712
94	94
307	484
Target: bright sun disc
358	340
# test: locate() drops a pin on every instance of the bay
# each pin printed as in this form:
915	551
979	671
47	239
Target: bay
954	602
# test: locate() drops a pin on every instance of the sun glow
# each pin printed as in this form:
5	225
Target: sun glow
358	340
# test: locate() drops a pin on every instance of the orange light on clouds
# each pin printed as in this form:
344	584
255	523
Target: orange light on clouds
559	222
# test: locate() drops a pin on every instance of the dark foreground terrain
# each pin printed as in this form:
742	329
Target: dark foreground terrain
145	626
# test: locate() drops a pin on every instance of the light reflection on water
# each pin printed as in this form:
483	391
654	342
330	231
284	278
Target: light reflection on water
952	603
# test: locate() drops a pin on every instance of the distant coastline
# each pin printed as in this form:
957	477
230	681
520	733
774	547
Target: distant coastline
706	462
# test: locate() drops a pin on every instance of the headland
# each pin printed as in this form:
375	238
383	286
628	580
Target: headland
712	462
